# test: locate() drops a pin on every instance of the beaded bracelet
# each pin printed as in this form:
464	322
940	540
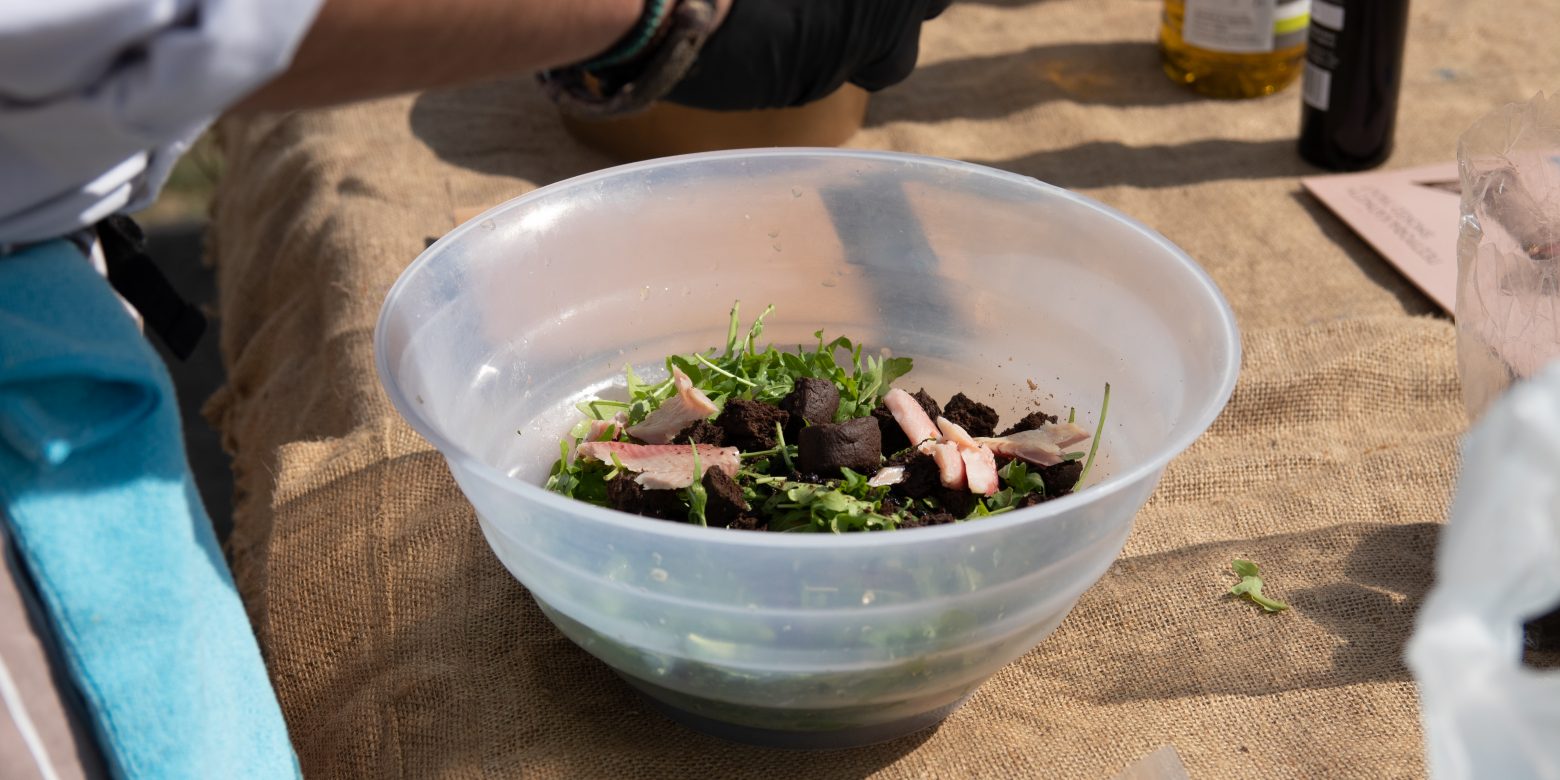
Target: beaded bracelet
645	71
637	40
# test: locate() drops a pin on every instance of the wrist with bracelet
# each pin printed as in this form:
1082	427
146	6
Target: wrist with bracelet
642	67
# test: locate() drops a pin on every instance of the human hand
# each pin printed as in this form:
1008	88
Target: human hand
776	53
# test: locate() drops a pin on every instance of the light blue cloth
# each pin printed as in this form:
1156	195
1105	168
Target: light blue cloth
103	512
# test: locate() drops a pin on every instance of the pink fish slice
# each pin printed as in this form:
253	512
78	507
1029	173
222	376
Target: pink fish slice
911	417
1041	446
690	404
950	464
663	466
980	465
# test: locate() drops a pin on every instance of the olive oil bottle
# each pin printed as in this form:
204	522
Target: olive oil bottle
1234	48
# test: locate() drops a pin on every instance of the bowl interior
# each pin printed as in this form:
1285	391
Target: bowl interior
1018	294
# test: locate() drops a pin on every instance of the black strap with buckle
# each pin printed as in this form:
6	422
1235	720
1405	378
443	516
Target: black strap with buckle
134	276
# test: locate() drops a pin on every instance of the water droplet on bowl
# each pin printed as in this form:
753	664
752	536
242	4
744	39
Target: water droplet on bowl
487	224
796	192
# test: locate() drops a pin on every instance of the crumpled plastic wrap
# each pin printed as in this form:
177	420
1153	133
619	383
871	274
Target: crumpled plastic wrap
1486	714
1508	249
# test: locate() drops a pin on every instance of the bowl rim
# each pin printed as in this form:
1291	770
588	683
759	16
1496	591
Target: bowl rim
1155	461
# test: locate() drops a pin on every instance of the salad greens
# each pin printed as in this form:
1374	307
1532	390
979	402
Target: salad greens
742	370
1250	586
772	487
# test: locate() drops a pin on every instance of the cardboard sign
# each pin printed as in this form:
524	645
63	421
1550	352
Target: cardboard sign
1409	216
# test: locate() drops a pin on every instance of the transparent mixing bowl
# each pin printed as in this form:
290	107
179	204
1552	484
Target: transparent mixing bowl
1014	292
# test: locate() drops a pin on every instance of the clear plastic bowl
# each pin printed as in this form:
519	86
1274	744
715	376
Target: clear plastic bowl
1014	292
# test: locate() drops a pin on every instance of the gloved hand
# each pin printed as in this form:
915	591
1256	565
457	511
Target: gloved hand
777	53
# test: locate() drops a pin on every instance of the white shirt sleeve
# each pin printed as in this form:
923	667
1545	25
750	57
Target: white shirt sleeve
99	97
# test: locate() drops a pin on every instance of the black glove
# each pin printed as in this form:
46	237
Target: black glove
777	53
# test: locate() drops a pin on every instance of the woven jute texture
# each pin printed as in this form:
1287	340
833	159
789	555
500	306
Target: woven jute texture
401	648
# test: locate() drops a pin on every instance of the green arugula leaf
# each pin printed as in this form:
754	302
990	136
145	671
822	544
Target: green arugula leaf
1005	498
559	479
697	496
582	479
732	329
601	409
785	451
807	506
1094	446
1017	476
1250	586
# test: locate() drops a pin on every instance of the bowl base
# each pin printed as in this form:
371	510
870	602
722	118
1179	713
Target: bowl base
836	739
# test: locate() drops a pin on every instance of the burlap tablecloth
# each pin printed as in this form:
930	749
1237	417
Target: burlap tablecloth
400	647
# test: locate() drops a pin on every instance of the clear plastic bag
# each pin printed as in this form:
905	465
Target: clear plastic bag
1508	249
1487	714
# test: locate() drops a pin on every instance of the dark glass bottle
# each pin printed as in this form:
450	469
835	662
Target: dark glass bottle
1349	97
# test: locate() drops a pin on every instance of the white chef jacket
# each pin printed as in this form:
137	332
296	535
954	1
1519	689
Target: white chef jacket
98	98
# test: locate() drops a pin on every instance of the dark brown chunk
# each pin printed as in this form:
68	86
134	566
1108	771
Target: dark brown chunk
893	436
1031	421
890	434
928	403
626	495
959	503
973	416
1030	499
930	518
750	425
1059	479
810	402
724	503
853	444
749	523
922	477
701	432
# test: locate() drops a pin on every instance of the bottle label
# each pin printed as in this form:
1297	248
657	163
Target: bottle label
1316	87
1321	54
1245	26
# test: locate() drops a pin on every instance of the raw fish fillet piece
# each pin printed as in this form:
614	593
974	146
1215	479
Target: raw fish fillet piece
663	466
950	464
911	417
603	430
690	404
980	465
1041	446
889	475
980	469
